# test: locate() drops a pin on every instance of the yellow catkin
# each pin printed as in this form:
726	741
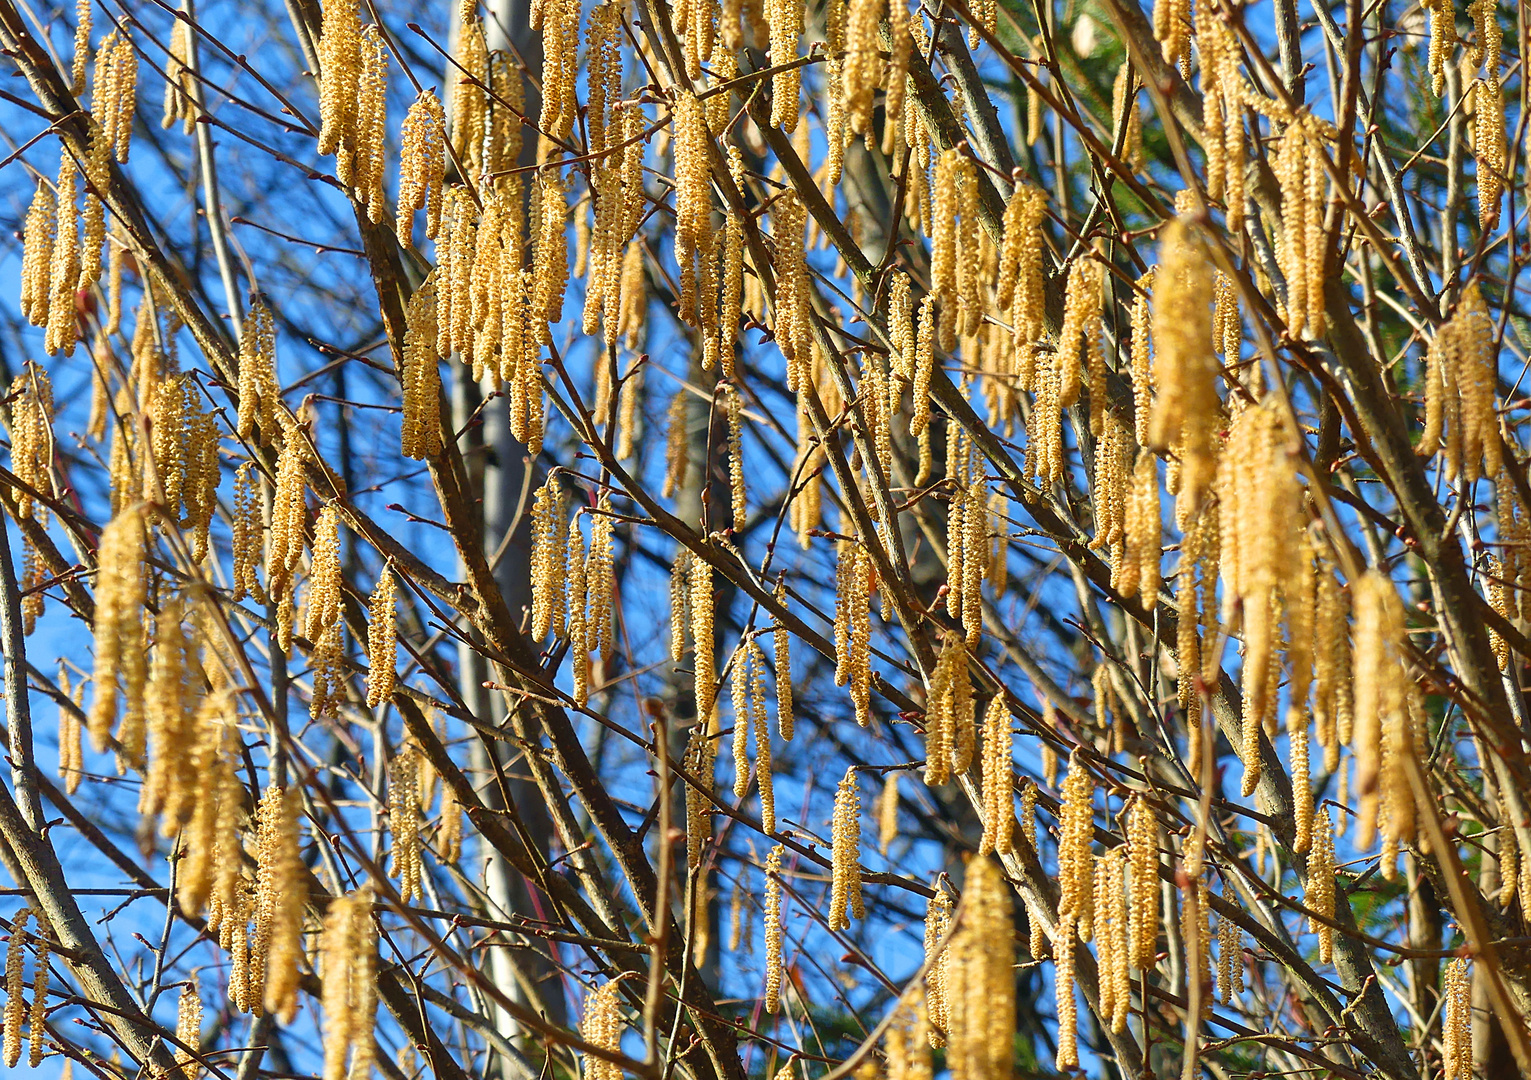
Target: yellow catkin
71	760
677	446
348	968
285	549
863	62
998	786
450	831
733	403
782	647
599	584
1076	823
81	47
845	901
248	531
938	916
1111	934
1172	28
693	212
180	84
37	255
549	563
949	722
340	70
680	602
404	819
64	272
188	1030
1260	504
382	640
170	782
37	1016
740	676
1186	408
1019	285
15	986
1230	958
773	929
1299	168
325	584
601	1026
1461	380
259	393
1488	142
579	635
422	162
705	663
280	888
1380	698
1143	857
887	813
1143	532
120	596
1063	991
924	368
981	977
421	375
1319	893
793	291
763	772
786	28
1457	1023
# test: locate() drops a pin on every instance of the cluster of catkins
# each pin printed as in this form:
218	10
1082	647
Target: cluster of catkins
166	688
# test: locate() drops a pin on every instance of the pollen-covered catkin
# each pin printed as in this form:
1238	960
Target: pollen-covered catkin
120	596
37	255
1186	410
1461	382
845	891
549	563
259	395
382	640
981	976
705	662
938	918
601	1026
998	787
1319	894
188	1029
1076	877
340	69
15	986
782	647
1143	859
421	433
1457	1023
422	162
773	929
404	819
280	890
1380	693
1063	992
348	968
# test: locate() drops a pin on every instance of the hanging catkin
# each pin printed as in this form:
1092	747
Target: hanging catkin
421	377
382	640
938	917
1319	893
280	888
348	968
404	819
188	1030
422	162
15	986
845	891
601	1026
549	564
1457	1023
998	786
1260	509
1460	382
773	929
1380	696
120	598
259	394
1186	410
1076	824
981	977
340	70
170	780
1143	911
